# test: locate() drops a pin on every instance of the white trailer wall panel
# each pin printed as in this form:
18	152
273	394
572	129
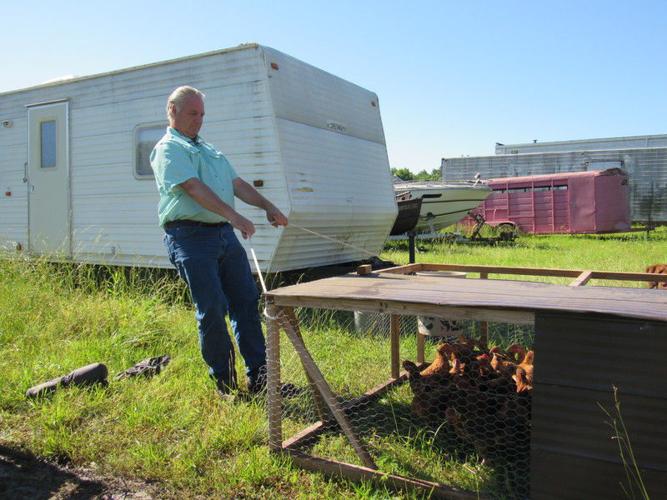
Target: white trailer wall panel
356	213
335	161
13	207
255	114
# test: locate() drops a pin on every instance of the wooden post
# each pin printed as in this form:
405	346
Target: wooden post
289	318
364	269
483	325
411	246
421	340
328	396
274	397
395	322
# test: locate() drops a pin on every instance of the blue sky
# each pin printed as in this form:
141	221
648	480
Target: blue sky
452	77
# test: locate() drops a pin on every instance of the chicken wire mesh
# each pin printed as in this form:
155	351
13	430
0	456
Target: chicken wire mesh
461	419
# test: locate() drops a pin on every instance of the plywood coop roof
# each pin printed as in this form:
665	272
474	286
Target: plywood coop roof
493	300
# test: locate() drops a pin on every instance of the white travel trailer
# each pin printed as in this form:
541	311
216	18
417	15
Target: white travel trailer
76	183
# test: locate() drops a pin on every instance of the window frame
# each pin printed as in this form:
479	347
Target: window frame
54	133
135	144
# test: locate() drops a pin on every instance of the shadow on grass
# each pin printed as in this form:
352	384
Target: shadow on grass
22	475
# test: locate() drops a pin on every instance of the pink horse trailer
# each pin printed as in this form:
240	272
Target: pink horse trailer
596	201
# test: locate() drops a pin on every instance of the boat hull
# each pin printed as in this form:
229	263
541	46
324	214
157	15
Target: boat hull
408	216
444	204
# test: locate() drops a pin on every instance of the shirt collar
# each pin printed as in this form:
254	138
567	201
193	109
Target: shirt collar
196	141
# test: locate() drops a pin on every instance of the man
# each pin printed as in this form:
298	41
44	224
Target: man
197	186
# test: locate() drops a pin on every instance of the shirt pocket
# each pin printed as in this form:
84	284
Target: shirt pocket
211	152
214	168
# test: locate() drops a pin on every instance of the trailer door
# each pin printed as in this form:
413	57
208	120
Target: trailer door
48	177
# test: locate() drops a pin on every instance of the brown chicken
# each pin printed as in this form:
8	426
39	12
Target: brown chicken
657	269
516	352
527	367
431	392
501	365
440	365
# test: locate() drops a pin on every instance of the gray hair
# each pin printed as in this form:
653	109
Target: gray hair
181	94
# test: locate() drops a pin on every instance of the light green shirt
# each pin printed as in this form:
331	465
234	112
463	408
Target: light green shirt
177	158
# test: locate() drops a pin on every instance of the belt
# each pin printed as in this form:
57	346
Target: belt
196	223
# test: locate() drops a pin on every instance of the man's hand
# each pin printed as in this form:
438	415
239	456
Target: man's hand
246	227
251	196
275	217
203	195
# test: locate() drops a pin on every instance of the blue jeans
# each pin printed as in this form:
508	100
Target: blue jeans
215	266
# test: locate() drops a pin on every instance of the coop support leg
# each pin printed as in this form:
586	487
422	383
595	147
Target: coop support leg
404	485
395	327
328	396
483	325
274	397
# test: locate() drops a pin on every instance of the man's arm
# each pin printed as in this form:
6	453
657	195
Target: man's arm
251	196
203	195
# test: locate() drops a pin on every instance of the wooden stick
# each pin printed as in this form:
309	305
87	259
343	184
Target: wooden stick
527	271
606	275
381	306
395	345
357	473
290	318
305	434
328	396
380	389
409	268
582	279
274	397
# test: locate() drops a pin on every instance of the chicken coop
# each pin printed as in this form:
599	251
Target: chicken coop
530	396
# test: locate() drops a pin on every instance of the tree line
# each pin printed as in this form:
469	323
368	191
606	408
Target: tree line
407	175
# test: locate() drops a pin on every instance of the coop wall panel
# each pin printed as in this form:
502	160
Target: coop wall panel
580	358
577	478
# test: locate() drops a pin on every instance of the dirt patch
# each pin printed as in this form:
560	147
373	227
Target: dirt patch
22	475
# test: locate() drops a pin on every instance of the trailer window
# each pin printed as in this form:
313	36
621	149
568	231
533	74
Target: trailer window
48	143
145	139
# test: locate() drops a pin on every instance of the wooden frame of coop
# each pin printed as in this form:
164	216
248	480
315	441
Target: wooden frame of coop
575	315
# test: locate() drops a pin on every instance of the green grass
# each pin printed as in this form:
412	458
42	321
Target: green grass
172	428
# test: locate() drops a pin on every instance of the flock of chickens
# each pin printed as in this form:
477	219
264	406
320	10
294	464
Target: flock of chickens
483	395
